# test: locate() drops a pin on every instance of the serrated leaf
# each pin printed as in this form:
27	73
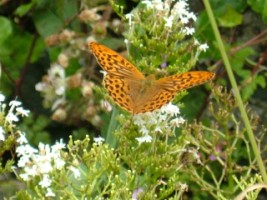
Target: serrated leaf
230	18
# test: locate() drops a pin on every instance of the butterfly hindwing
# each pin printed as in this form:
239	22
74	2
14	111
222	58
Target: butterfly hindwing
182	81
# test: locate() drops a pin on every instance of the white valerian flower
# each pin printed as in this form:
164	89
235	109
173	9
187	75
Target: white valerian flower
2	134
39	162
145	138
46	181
99	140
169	21
189	31
22	139
203	47
129	17
160	121
21	111
2	97
75	171
50	193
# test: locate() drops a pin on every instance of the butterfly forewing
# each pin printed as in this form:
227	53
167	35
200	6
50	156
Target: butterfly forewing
114	63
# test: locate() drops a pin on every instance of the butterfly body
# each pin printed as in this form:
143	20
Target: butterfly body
134	92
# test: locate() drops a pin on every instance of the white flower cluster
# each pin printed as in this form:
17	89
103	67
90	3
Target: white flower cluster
40	162
53	86
12	114
175	14
178	13
162	120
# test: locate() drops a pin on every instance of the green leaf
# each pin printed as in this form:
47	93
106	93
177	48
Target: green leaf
24	9
230	18
261	81
259	6
5	29
238	59
47	23
238	5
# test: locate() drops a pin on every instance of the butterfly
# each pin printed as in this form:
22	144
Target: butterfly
134	92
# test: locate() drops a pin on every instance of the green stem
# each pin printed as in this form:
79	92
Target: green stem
236	91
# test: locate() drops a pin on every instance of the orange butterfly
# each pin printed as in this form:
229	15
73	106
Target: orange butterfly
134	92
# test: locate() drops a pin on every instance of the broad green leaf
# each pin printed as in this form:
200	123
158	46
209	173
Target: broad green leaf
238	5
47	23
24	9
238	59
230	18
5	29
259	6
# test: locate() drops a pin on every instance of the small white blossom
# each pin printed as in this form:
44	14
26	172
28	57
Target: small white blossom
158	121
2	98
58	146
22	111
14	103
176	122
98	140
169	21
75	172
50	193
2	134
22	139
11	117
188	31
129	17
145	138
45	182
203	47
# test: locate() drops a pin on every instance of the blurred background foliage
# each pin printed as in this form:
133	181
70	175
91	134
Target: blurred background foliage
38	34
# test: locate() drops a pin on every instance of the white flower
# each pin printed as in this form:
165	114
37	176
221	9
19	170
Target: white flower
75	171
22	139
25	177
203	47
45	182
169	21
50	193
2	132
145	138
170	109
98	140
11	117
26	149
40	86
129	17
147	3
22	111
176	122
14	103
188	31
2	98
58	146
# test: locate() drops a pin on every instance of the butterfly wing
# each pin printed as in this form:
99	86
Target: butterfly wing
113	63
166	88
182	81
156	100
118	89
